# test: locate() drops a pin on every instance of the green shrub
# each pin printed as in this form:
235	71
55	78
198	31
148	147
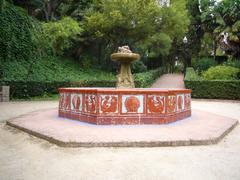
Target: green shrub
221	73
232	62
138	67
87	61
192	75
212	89
147	78
27	89
60	33
178	68
203	64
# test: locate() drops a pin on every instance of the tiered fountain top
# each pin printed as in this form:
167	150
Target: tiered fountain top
125	57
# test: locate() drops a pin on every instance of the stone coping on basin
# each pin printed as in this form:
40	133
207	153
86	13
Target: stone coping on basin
122	90
111	106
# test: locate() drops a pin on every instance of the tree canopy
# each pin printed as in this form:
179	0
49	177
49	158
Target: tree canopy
142	24
90	30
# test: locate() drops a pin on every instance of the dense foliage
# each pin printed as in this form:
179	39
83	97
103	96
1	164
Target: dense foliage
222	20
212	89
203	64
144	25
232	62
216	89
61	33
222	73
228	11
19	34
51	69
192	75
195	30
146	79
138	67
94	29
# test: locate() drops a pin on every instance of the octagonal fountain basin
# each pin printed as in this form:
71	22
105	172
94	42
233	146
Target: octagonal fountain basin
111	106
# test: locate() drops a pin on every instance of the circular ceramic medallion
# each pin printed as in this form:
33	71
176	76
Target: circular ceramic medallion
132	104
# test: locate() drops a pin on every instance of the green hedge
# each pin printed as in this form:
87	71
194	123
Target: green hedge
27	89
213	89
147	78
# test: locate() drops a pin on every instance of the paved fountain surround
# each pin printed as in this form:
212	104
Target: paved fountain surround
111	106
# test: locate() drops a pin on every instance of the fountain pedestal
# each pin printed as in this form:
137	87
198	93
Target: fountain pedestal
125	77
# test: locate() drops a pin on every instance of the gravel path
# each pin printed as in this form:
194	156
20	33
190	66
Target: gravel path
170	81
23	157
9	110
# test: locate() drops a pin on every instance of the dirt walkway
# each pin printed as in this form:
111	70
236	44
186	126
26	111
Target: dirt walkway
170	81
23	157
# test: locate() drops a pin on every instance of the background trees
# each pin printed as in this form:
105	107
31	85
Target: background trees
89	30
144	25
221	20
60	34
116	23
229	26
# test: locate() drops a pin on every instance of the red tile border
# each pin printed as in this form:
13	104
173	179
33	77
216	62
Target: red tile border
91	111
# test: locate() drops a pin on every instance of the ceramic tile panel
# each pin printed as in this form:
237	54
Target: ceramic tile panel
90	103
65	101
108	104
132	104
180	102
156	104
76	102
171	106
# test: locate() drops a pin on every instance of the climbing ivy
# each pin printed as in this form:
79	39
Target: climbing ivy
18	40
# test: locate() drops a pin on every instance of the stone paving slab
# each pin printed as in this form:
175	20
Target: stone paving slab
202	128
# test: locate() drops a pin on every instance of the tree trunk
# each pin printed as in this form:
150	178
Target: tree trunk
214	48
45	10
54	4
99	52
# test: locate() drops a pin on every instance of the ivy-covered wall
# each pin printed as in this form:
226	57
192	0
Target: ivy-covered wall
18	40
